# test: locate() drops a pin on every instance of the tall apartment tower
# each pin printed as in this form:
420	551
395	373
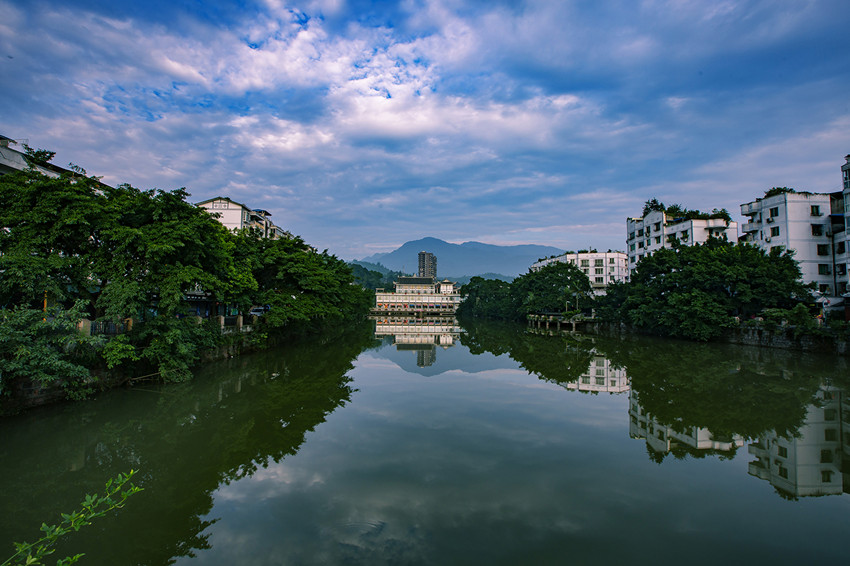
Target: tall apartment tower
427	265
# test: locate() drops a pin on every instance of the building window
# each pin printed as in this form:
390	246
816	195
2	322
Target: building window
826	456
610	260
817	229
782	451
632	248
640	232
685	235
826	476
823	269
631	235
585	263
774	231
840	248
600	279
783	472
829	414
823	249
830	434
774	212
658	226
816	210
640	245
599	271
657	239
599	262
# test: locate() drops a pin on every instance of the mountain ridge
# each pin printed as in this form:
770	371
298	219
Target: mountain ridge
464	260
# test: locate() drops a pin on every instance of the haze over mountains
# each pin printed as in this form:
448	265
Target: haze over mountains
467	259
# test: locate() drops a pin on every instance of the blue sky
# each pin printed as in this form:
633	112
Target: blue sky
361	125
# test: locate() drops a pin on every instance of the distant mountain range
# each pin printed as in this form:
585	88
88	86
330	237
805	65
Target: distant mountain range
456	261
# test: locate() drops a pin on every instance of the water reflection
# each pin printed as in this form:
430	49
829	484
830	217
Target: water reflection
188	440
421	335
496	448
698	400
816	461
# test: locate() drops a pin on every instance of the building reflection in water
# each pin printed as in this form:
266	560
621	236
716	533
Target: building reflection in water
809	463
601	377
420	335
662	439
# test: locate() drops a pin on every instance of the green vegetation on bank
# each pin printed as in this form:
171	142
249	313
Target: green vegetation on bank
698	291
146	262
695	292
557	287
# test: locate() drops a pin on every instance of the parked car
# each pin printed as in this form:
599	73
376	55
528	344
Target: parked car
258	311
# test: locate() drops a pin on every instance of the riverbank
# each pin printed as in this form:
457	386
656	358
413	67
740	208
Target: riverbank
752	334
26	394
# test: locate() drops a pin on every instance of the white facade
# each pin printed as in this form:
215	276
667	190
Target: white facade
657	230
418	295
800	222
237	216
842	239
602	268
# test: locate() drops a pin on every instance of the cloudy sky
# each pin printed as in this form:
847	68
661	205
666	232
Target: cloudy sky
361	125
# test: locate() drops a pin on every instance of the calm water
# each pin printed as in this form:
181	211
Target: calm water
424	446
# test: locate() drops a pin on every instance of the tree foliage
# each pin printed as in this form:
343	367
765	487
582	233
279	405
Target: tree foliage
557	287
696	291
117	254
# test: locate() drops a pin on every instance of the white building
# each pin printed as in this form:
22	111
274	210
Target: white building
801	222
657	230
842	238
602	268
418	296
237	216
14	160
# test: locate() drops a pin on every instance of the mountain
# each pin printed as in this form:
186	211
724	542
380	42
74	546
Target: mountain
466	259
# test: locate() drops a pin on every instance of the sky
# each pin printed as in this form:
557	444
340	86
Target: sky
363	125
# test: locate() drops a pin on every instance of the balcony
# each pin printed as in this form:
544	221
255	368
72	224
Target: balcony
750	208
751	227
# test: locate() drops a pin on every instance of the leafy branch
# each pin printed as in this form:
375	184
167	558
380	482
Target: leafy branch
117	491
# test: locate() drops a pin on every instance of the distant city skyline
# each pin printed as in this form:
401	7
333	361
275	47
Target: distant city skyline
362	125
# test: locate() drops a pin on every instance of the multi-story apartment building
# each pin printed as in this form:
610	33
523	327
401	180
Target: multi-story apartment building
602	268
657	230
427	265
810	225
842	239
236	216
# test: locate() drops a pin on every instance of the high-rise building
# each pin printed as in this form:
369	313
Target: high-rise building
427	265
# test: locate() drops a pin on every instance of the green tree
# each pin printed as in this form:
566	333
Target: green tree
46	349
557	287
695	291
51	229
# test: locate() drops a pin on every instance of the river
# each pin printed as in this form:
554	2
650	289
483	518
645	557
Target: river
484	445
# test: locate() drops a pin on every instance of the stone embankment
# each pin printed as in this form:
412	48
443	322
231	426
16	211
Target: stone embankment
746	335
